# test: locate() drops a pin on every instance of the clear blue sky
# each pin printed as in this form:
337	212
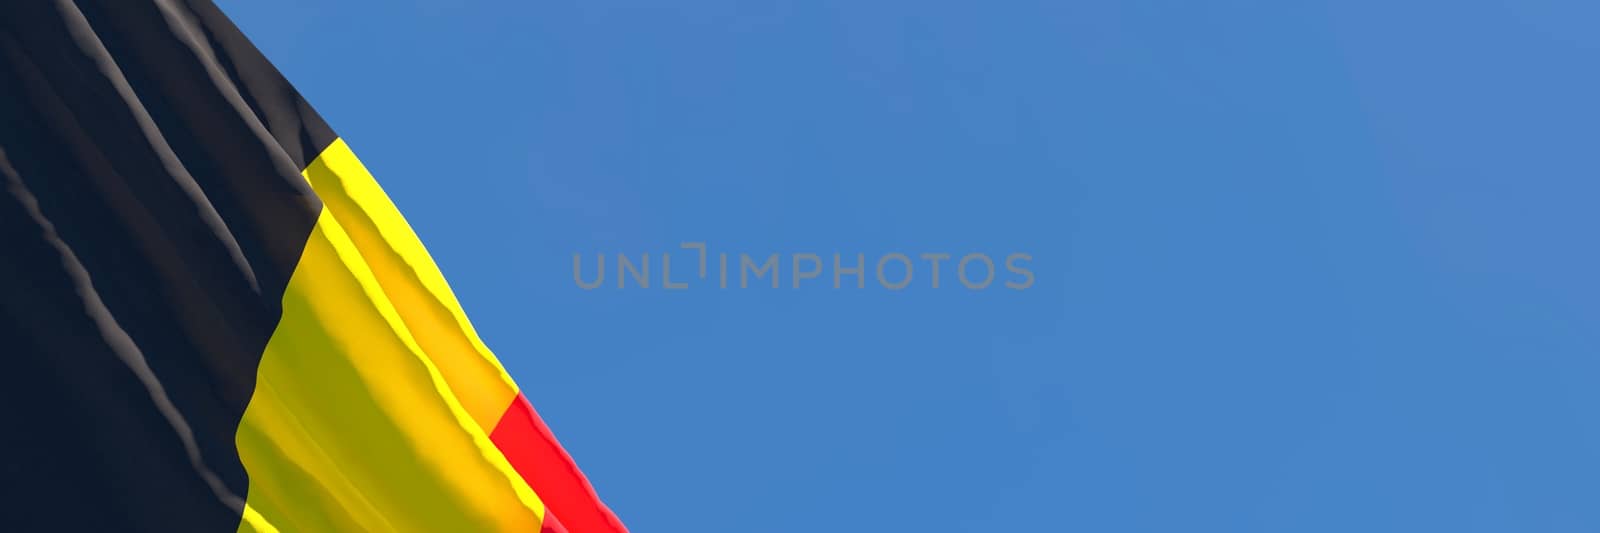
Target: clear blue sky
1301	266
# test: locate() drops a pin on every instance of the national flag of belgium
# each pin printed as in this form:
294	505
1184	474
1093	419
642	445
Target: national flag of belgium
211	316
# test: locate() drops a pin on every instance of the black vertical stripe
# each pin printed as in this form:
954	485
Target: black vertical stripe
151	214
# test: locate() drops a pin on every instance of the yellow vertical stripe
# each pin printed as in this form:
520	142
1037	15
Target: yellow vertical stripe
374	399
412	281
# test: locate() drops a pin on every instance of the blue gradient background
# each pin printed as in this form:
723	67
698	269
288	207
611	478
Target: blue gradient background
1301	266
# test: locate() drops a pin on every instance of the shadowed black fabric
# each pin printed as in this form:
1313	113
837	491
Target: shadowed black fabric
151	213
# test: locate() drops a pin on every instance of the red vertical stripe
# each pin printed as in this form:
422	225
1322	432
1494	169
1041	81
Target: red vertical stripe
551	524
536	455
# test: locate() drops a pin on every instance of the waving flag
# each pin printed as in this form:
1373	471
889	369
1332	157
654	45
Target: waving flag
211	316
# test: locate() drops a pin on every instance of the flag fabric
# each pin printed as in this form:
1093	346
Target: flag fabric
211	316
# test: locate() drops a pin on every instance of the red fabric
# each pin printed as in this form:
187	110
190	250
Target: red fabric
541	461
551	524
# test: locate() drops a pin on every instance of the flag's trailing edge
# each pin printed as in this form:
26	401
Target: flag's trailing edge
212	318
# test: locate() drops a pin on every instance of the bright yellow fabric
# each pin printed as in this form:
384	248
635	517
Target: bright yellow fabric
374	398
